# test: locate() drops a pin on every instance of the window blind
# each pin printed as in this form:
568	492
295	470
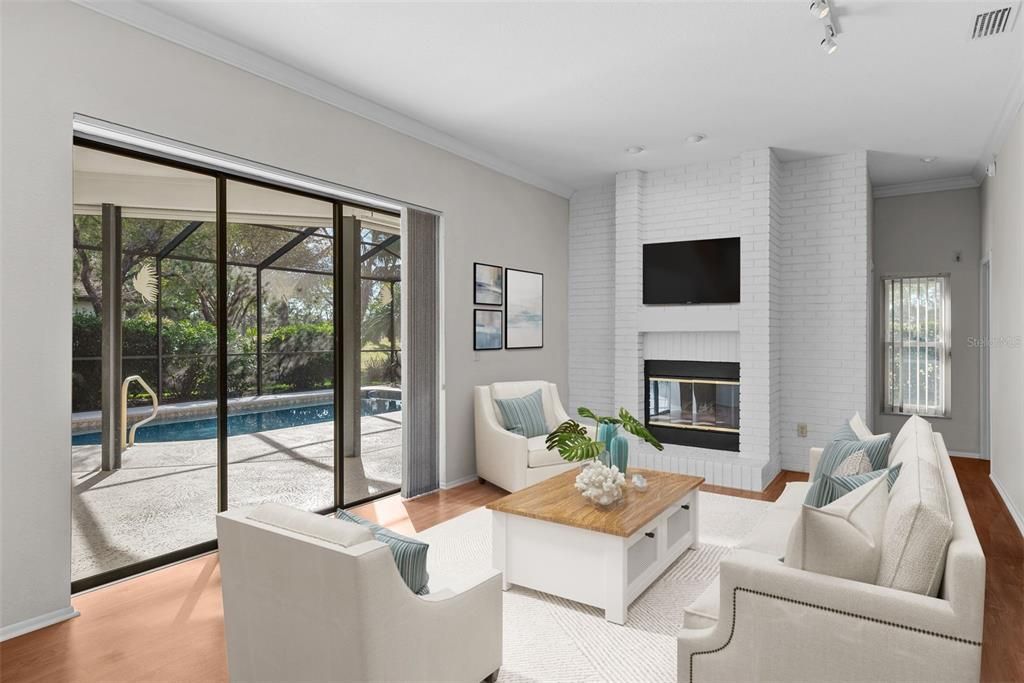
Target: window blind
916	340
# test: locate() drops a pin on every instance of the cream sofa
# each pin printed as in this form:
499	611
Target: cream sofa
310	598
511	460
762	620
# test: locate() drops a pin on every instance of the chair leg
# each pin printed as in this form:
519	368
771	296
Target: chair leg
493	676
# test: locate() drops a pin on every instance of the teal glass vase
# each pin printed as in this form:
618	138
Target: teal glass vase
606	434
620	453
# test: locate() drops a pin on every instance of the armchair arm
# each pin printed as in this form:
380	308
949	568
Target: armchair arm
815	456
501	456
796	625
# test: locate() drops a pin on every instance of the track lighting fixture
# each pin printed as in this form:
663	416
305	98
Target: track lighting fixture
819	9
828	43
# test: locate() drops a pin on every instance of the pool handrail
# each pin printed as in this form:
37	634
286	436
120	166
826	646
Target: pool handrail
128	437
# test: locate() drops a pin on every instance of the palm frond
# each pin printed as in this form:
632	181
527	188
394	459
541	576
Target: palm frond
636	428
573	443
145	282
600	419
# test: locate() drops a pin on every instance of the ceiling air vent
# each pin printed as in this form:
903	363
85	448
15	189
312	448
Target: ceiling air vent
992	23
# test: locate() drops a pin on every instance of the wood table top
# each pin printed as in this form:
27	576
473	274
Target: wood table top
557	500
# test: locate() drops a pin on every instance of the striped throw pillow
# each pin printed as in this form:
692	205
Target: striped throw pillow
835	487
524	415
836	452
410	554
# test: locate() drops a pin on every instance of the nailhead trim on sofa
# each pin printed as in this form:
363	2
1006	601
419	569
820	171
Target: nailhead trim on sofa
732	629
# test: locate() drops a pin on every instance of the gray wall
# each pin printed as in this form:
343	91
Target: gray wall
58	59
919	234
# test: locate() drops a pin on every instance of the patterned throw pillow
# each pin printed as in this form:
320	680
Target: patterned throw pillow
858	463
844	445
410	554
835	487
524	415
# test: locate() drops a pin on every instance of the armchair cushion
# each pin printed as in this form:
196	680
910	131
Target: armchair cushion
538	454
524	415
410	554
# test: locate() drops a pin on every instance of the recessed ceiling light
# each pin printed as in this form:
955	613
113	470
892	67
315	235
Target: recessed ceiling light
635	149
927	160
695	138
819	9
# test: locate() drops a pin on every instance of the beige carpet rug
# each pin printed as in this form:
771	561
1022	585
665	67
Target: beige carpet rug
547	638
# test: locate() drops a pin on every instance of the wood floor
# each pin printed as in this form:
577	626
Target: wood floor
168	626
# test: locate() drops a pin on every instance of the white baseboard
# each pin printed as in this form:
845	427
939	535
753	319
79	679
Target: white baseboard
964	454
36	623
1014	512
458	482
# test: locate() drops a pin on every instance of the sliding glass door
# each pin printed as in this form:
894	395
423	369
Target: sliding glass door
233	344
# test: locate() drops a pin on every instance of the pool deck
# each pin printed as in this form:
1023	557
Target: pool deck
165	495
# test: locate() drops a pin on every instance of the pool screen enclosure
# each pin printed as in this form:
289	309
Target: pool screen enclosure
205	298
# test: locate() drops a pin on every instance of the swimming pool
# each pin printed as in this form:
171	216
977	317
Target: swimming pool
242	423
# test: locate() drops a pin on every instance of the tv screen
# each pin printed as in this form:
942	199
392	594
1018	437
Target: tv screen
694	272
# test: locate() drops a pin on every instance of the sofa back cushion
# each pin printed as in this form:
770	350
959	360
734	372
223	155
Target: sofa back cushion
914	440
506	390
918	529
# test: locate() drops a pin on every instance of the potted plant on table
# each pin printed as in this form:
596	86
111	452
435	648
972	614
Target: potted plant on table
603	478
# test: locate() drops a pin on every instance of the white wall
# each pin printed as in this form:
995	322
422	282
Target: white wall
1002	237
58	59
825	299
800	333
920	234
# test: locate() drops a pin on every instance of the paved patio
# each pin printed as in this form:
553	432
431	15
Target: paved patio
165	495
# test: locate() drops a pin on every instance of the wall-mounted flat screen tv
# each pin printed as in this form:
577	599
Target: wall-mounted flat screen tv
693	272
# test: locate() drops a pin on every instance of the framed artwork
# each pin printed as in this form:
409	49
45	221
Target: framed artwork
524	309
487	329
488	285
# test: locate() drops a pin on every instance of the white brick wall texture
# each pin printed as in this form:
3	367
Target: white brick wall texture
591	299
801	337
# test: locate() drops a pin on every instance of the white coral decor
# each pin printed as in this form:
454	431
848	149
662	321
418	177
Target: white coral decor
601	484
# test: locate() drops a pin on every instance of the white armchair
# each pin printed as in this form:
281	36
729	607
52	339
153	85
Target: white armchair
303	604
511	460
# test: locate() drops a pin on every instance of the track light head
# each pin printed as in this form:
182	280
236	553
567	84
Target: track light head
828	43
819	9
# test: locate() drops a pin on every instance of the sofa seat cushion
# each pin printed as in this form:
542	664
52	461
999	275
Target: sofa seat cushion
918	530
770	534
538	455
703	612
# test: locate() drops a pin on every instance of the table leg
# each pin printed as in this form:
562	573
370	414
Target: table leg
616	580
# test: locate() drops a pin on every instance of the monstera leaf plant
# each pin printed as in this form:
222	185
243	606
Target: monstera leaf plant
574	444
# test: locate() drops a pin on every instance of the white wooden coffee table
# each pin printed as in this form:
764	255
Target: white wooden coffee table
550	538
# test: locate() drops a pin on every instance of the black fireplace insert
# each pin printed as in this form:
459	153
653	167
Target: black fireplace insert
693	403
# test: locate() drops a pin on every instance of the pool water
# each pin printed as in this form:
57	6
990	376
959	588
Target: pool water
242	423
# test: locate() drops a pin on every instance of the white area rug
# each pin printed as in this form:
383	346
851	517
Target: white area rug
548	638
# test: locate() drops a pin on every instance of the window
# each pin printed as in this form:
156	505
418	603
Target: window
915	336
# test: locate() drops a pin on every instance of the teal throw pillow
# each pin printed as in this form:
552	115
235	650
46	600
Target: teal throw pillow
410	554
834	488
524	415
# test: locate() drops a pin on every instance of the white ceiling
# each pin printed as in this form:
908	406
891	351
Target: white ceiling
561	89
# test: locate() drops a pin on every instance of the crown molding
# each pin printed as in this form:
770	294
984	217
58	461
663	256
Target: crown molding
940	185
151	20
1007	117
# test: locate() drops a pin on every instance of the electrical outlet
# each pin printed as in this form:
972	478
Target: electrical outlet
801	430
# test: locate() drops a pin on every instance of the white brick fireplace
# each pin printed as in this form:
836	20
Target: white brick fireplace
801	325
